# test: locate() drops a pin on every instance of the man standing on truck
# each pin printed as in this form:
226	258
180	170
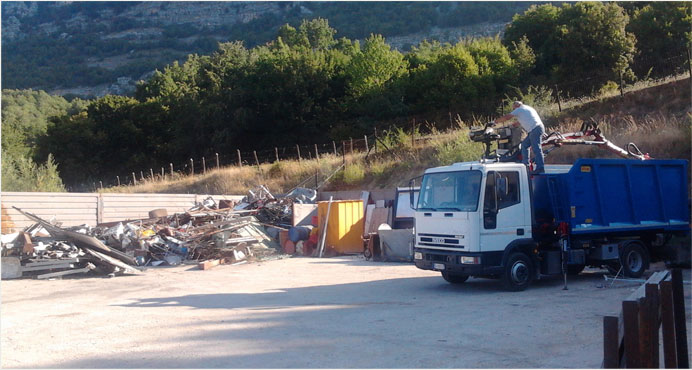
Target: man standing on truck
529	120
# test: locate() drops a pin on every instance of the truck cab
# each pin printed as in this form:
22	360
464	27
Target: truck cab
468	214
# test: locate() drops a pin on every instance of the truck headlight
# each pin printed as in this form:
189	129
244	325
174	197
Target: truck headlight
418	256
470	260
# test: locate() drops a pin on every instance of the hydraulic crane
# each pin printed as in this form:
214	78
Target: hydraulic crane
508	139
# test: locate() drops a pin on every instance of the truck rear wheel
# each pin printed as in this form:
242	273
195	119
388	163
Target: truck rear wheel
518	272
634	259
454	278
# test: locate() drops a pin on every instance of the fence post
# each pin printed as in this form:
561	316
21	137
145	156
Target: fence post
118	177
351	146
254	152
367	148
100	184
298	150
204	166
670	359
343	152
375	140
163	174
141	175
317	153
217	161
334	145
276	153
99	209
622	89
151	173
653	294
689	60
192	167
645	339
630	313
413	133
240	160
134	179
171	169
557	95
679	313
611	343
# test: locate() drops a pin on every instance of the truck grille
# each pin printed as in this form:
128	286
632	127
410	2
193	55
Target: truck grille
439	240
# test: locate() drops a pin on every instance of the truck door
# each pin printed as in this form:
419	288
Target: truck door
503	211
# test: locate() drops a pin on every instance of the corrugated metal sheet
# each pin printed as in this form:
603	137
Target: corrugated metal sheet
91	208
69	208
346	222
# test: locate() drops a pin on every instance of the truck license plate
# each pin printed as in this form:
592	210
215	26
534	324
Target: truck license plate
438	240
439	266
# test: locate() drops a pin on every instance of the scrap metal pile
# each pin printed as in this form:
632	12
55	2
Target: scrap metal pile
275	210
205	232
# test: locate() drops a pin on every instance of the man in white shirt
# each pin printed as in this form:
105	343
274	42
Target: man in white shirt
529	120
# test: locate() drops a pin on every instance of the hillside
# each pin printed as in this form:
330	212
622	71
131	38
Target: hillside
98	48
657	118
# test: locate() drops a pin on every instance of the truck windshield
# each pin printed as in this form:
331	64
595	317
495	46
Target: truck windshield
450	191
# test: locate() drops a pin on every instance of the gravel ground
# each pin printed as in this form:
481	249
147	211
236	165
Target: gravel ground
304	313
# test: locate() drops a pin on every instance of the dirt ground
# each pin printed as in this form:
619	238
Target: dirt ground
304	313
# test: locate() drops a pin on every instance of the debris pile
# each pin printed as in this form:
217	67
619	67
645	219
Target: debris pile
275	210
204	232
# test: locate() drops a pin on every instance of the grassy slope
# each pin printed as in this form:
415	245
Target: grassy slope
656	118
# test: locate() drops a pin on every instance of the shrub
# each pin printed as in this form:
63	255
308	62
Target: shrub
353	173
461	149
22	174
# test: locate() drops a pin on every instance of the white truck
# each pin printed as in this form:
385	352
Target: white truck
492	219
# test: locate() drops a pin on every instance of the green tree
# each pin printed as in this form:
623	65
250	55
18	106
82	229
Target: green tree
374	79
585	42
663	31
539	27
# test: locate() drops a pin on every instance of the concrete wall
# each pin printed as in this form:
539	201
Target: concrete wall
92	208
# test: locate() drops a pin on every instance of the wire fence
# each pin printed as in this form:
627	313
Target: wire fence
662	69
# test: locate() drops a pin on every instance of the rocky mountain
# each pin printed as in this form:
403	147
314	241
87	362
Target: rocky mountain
98	48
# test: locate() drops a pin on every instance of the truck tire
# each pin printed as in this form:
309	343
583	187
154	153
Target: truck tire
634	259
454	278
518	273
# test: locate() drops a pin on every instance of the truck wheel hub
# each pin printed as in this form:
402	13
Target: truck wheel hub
520	272
634	261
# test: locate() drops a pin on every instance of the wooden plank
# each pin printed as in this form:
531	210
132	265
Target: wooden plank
206	265
679	315
630	311
645	340
47	267
653	294
641	291
51	262
670	360
611	351
66	272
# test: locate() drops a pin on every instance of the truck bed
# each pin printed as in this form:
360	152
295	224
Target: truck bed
598	196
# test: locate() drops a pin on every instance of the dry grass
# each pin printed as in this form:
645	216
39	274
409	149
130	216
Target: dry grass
657	119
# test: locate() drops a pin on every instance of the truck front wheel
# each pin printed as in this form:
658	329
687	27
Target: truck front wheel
454	278
518	272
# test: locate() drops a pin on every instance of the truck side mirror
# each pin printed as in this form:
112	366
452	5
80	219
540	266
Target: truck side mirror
411	192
